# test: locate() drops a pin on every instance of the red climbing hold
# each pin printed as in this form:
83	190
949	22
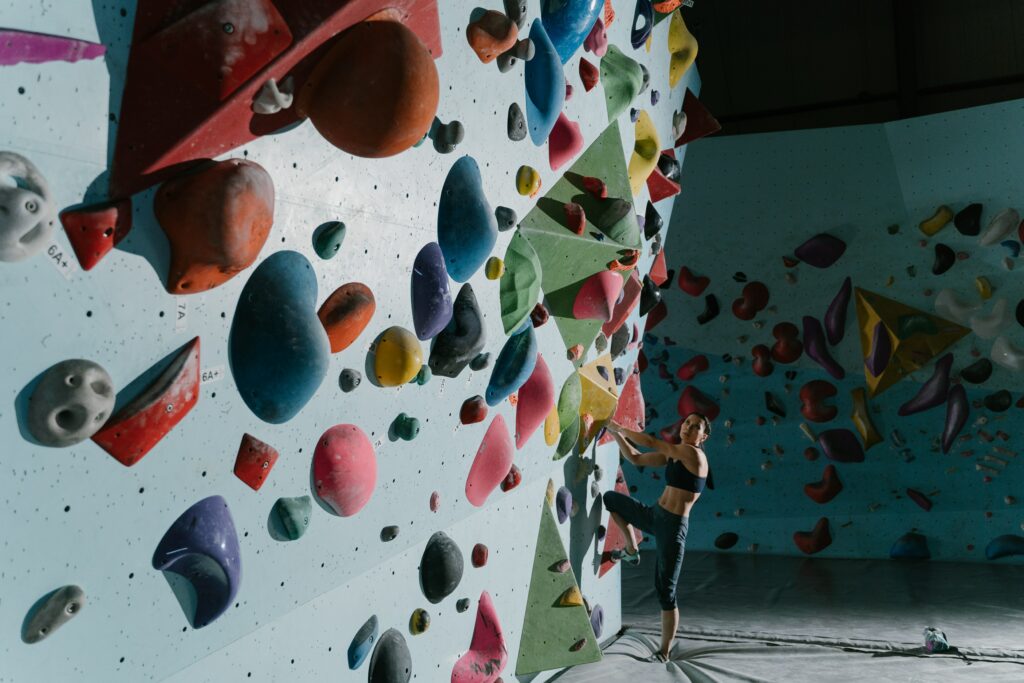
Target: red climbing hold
762	363
692	367
536	398
812	401
699	121
596	298
589	74
564	142
94	230
346	313
512	479
254	461
787	347
474	409
656	315
693	400
694	285
811	542
825	490
658	185
921	499
595	186
575	218
344	469
752	301
479	556
491	34
630	299
539	315
659	272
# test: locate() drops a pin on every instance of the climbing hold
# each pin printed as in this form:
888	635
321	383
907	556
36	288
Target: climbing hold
570	597
513	479
597	40
711	310
841	445
278	373
693	400
1012	246
94	230
523	50
699	122
1007	355
690	283
527	181
431	299
821	251
998	402
921	499
643	22
406	427
563	504
569	399
949	305
910	546
28	213
811	542
272	97
596	187
480	362
1004	546
29	47
945	257
419	621
934	391
958	409
346	313
216	221
667	164
569	24
344	469
975	373
463	338
915	323
375	91
70	403
575	217
328	238
589	74
52	611
294	514
881	350
435	501
825	490
682	48
391	661
1001	225
564	142
141	423
597	297
817	349
622	79
968	220
545	85
753	300
201	546
461	605
349	379
552	428
862	419
726	540
812	401
516	124
655	98
494	268
398	357
762	364
645	155
772	405
491	464
514	365
254	461
474	409
506	218
539	315
491	34
990	325
692	367
361	643
536	398
487	654
467	229
938	220
479	555
440	567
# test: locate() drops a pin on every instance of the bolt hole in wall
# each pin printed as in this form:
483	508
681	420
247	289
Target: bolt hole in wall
133	227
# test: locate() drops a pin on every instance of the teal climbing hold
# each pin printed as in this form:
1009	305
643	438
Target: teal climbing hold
327	239
294	514
423	376
466	226
514	365
545	85
406	427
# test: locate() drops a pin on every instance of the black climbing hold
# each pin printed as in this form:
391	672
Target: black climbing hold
446	136
650	295
670	276
999	401
389	533
391	661
711	310
773	405
739	276
726	540
480	362
462	339
669	167
1020	313
977	372
349	379
506	218
603	371
945	257
791	375
440	567
516	122
51	612
653	222
893	229
968	219
462	604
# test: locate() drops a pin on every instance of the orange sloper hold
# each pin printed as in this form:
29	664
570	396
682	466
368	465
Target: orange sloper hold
94	230
811	542
613	538
535	399
216	220
491	34
346	313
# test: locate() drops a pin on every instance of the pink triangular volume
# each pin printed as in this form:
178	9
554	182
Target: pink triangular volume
492	462
596	298
629	412
536	399
613	539
487	654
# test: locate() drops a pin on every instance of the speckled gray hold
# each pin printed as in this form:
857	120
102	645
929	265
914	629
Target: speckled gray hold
446	136
349	379
462	604
481	362
52	612
516	122
72	400
506	218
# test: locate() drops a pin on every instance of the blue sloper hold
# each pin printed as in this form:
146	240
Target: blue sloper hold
362	643
466	227
545	85
202	547
431	298
569	23
910	546
1004	546
278	347
514	365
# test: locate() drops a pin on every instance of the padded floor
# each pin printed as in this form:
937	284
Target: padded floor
771	618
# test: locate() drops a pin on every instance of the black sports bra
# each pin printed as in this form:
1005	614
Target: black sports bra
678	476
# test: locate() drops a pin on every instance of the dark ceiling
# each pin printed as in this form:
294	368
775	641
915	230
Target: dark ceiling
780	65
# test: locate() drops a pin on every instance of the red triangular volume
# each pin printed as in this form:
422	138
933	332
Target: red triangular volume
658	185
699	121
655	316
94	230
195	68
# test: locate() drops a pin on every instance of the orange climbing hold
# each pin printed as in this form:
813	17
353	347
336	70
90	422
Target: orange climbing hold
491	34
94	230
811	542
346	313
254	461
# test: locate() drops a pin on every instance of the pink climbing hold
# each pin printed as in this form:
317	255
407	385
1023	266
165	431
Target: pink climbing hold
38	48
629	413
597	41
536	398
487	655
492	462
596	298
344	469
564	142
435	501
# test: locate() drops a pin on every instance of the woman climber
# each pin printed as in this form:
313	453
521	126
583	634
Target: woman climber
686	473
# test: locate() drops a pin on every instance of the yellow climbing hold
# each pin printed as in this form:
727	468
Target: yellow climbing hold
398	357
682	47
549	495
983	286
495	268
645	153
938	221
551	427
861	417
571	597
419	622
527	181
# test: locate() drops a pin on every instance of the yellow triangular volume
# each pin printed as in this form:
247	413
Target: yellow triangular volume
915	337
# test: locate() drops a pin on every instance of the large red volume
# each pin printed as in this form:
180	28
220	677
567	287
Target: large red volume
699	121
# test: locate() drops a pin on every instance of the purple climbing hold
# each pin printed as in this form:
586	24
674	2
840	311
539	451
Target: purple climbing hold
835	316
841	445
597	620
817	349
958	408
202	547
934	391
821	251
881	350
563	504
431	298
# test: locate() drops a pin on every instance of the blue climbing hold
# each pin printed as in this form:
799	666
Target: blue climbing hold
362	643
1004	546
643	22
569	23
278	347
545	85
466	227
514	365
910	546
431	298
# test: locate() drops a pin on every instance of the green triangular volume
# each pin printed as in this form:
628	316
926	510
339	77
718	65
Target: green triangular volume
519	287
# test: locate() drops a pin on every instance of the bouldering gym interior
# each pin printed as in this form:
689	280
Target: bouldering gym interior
546	340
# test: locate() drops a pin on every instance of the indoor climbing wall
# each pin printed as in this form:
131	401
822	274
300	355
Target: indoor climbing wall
846	302
307	377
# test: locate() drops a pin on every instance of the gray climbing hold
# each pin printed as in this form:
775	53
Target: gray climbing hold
389	533
462	340
51	612
522	50
349	379
600	342
391	661
620	340
362	642
440	567
506	218
481	362
647	79
516	11
327	239
446	136
461	605
72	400
516	122
294	514
620	376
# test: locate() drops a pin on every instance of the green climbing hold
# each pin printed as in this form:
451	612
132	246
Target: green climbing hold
622	79
519	287
424	375
568	440
406	427
294	514
569	401
327	239
909	325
